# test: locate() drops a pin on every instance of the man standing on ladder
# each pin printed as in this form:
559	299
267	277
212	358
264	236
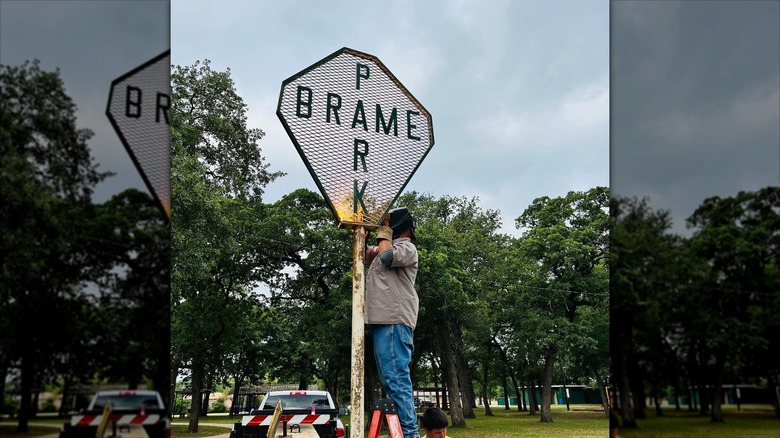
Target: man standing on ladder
391	310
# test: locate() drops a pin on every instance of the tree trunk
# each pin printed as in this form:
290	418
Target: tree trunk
172	389
637	390
303	383
197	386
465	380
676	394
717	390
436	383
35	403
774	395
624	394
448	364
517	389
523	395
334	387
444	392
704	400
66	385
532	399
3	376
485	394
656	399
26	395
549	362
236	396
716	415
602	392
506	392
691	400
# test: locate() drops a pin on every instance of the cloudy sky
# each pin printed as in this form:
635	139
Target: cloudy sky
521	92
695	109
518	90
92	43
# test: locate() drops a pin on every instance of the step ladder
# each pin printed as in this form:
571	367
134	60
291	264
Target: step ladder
387	407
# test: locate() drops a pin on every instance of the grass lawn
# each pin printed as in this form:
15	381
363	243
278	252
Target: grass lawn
583	421
8	429
203	431
44	424
752	421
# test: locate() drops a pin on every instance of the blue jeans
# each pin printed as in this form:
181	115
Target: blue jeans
393	346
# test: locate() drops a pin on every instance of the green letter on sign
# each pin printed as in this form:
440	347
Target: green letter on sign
335	107
133	102
301	103
409	125
359	198
361	154
362	114
392	123
358	74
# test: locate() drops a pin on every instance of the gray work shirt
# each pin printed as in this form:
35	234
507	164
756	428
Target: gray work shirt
390	294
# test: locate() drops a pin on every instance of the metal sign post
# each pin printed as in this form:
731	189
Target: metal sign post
138	108
358	333
362	136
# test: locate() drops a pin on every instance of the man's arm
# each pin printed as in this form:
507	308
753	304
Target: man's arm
385	245
371	252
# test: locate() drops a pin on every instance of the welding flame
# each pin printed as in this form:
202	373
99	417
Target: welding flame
345	210
347	214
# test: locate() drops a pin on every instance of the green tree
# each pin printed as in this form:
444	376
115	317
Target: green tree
217	178
637	239
311	290
46	180
458	247
251	361
737	237
131	236
567	236
693	312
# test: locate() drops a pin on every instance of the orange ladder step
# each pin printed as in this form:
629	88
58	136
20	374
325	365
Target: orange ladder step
387	407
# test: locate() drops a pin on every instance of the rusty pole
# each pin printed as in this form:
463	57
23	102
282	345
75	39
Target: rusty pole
358	333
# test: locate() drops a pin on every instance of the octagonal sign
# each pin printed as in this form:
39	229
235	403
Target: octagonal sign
138	105
359	131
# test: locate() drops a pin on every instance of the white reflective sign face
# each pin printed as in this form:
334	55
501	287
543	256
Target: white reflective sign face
360	132
138	108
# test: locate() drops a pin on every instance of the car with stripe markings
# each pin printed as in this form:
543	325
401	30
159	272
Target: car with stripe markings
307	413
131	413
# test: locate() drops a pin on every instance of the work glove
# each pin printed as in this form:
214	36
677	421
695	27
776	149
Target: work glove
384	232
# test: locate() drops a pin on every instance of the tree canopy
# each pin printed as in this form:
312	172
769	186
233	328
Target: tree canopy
692	314
92	272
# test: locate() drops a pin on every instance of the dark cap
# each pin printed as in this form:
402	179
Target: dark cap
400	221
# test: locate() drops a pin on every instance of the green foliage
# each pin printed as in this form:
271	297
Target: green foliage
208	120
217	181
46	179
56	241
48	405
310	292
9	405
218	406
180	405
699	306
